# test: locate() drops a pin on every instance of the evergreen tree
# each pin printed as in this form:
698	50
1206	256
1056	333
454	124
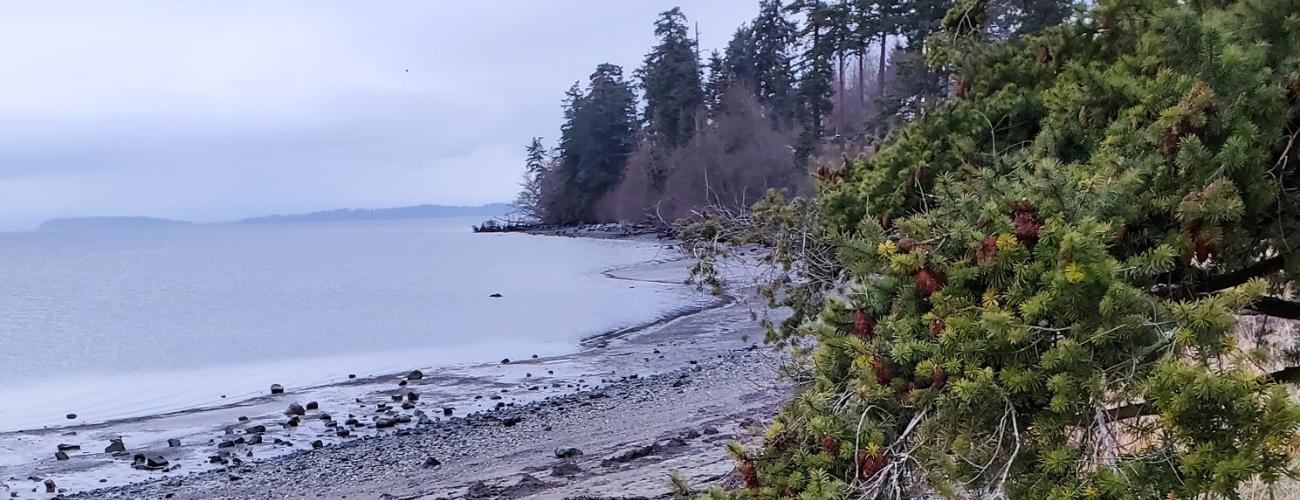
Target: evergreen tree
720	80
759	55
536	166
598	134
1041	289
670	77
815	82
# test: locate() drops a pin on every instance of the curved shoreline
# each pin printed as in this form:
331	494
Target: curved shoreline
471	380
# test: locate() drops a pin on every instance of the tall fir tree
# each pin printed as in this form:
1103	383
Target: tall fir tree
598	134
816	80
674	97
537	164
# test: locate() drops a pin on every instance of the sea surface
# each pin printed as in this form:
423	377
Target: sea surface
118	324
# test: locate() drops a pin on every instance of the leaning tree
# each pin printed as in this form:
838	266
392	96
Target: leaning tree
1072	280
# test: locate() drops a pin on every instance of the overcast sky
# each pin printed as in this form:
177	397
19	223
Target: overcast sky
217	110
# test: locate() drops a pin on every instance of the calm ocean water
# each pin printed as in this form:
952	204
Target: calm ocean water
117	324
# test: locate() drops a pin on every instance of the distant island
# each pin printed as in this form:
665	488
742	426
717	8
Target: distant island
108	222
411	212
343	214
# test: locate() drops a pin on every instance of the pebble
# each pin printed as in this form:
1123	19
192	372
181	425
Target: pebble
277	389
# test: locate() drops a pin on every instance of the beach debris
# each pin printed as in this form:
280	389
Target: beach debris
430	463
115	446
173	443
567	452
415	375
277	389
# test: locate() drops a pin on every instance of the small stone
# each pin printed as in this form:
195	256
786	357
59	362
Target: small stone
312	405
277	389
495	295
505	361
446	412
226	444
173	443
115	446
397	397
69	447
408	406
243	419
352	375
534	356
510	421
413	396
58	455
293	422
256	429
430	463
709	430
72	416
343	433
415	375
254	439
567	452
295	409
50	487
317	444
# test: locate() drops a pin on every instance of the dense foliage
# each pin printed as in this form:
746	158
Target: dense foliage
1043	287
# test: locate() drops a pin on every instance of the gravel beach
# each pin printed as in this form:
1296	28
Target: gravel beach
609	421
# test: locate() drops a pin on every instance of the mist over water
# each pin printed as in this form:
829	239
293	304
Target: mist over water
111	324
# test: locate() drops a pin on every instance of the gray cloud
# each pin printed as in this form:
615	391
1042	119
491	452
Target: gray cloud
216	110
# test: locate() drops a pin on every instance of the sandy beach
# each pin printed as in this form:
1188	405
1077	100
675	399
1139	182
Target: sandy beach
638	403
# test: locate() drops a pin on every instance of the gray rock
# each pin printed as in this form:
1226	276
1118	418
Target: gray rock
317	444
430	463
173	443
567	452
415	375
295	409
277	389
256	429
58	455
69	447
115	446
72	416
312	405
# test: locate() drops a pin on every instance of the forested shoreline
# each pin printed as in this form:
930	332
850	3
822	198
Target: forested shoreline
804	84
